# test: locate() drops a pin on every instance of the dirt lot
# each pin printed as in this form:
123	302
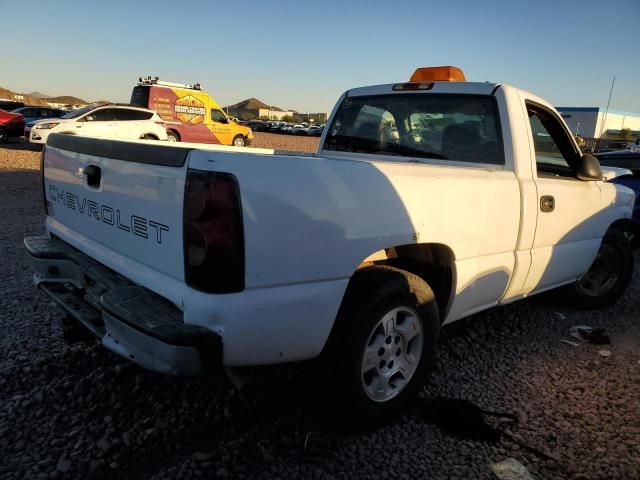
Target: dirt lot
81	412
285	142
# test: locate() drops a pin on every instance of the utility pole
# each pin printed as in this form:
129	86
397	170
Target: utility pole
604	119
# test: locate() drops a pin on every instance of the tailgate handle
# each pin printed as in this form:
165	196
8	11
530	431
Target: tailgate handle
93	174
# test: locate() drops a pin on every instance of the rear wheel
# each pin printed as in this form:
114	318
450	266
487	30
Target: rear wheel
608	276
172	136
239	141
388	328
4	135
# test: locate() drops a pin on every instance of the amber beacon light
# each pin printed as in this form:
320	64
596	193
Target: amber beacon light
438	74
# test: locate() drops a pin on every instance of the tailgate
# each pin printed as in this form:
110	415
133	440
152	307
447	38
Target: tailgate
125	196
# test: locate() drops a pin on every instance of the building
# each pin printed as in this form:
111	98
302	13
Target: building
596	122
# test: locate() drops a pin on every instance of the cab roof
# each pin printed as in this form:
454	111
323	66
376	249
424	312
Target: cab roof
477	88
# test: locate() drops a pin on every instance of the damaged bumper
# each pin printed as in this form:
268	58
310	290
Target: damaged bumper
129	320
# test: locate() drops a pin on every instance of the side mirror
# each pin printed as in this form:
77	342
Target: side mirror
589	168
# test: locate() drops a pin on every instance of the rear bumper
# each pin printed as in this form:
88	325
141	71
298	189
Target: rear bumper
129	320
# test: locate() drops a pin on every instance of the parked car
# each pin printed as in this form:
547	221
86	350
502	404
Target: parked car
186	260
299	130
274	127
314	131
616	146
629	160
9	105
107	121
11	125
32	114
258	125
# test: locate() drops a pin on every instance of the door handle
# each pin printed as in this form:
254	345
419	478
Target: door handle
93	174
547	203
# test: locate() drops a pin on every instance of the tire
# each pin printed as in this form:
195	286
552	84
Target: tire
172	136
4	135
609	275
239	141
149	136
371	345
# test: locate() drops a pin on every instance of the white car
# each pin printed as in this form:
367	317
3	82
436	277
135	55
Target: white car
299	130
106	121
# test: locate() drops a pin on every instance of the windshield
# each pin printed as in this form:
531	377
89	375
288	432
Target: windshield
79	112
456	127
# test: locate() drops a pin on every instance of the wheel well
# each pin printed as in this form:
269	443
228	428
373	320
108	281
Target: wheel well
433	262
629	228
175	132
149	136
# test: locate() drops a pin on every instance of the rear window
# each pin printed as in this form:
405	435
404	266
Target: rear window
140	96
462	128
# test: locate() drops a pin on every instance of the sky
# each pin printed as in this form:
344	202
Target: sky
302	54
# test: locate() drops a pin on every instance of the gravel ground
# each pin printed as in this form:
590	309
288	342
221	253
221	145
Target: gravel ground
285	142
81	412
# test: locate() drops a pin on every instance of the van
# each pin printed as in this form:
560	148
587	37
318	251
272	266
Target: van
189	114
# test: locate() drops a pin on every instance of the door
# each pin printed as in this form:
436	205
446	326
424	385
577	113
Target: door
569	225
130	123
220	127
99	123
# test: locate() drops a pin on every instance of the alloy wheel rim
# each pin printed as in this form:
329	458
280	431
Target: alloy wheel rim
392	354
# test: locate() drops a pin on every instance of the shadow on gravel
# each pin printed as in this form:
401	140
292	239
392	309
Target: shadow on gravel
20	144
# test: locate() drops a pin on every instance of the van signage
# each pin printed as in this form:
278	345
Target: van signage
189	109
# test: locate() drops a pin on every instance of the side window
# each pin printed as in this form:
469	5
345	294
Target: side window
102	115
126	115
555	153
218	116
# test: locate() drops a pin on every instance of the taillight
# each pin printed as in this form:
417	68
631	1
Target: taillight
213	233
412	86
44	191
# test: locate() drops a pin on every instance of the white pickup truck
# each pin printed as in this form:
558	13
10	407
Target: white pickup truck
426	202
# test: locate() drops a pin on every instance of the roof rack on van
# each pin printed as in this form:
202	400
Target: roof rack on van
156	81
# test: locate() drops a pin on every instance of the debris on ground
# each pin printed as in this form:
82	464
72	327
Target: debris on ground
511	469
317	447
570	342
585	333
604	353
